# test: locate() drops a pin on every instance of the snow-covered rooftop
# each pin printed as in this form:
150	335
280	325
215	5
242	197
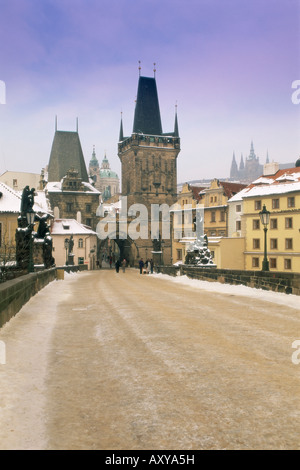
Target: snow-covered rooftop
282	182
70	227
266	190
55	186
10	200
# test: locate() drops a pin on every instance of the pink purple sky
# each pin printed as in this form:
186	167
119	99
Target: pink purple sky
229	65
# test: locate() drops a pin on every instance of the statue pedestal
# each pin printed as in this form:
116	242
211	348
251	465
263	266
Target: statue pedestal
71	259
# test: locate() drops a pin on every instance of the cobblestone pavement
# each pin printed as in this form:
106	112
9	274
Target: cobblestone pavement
102	360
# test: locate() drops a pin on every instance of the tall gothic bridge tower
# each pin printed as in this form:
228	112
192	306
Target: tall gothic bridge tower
149	167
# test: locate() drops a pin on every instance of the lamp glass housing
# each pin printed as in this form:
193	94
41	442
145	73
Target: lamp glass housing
264	216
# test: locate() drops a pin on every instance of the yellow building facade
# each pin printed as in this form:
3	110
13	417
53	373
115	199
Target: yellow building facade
280	193
213	199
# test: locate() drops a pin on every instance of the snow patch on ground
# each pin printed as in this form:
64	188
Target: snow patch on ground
288	300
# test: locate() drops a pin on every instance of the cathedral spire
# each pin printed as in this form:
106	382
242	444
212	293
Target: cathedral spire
242	165
267	158
252	153
234	168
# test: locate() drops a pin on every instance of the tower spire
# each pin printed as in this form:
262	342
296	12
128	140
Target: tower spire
154	70
234	168
242	166
121	136
140	68
176	132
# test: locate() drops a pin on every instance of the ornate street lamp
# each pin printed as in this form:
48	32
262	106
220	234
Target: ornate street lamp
30	215
265	219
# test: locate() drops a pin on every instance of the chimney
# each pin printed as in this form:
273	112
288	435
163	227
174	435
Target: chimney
271	168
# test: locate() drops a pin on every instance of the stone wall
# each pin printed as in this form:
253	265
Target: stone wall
288	283
16	292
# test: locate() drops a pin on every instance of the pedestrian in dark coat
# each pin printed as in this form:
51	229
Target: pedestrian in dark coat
152	265
141	265
117	265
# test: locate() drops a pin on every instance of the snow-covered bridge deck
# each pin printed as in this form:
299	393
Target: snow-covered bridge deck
127	361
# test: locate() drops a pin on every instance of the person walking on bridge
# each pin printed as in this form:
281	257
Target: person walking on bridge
141	265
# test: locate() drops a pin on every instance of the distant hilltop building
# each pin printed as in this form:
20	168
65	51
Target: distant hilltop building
105	180
251	169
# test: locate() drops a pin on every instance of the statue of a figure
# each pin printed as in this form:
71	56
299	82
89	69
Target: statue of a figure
71	244
157	243
31	198
27	200
43	229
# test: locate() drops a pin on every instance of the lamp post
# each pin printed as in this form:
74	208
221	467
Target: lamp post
67	249
265	218
30	215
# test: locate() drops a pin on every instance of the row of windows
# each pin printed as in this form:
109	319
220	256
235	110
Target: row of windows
70	207
275	203
287	263
213	216
288	223
80	242
256	243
